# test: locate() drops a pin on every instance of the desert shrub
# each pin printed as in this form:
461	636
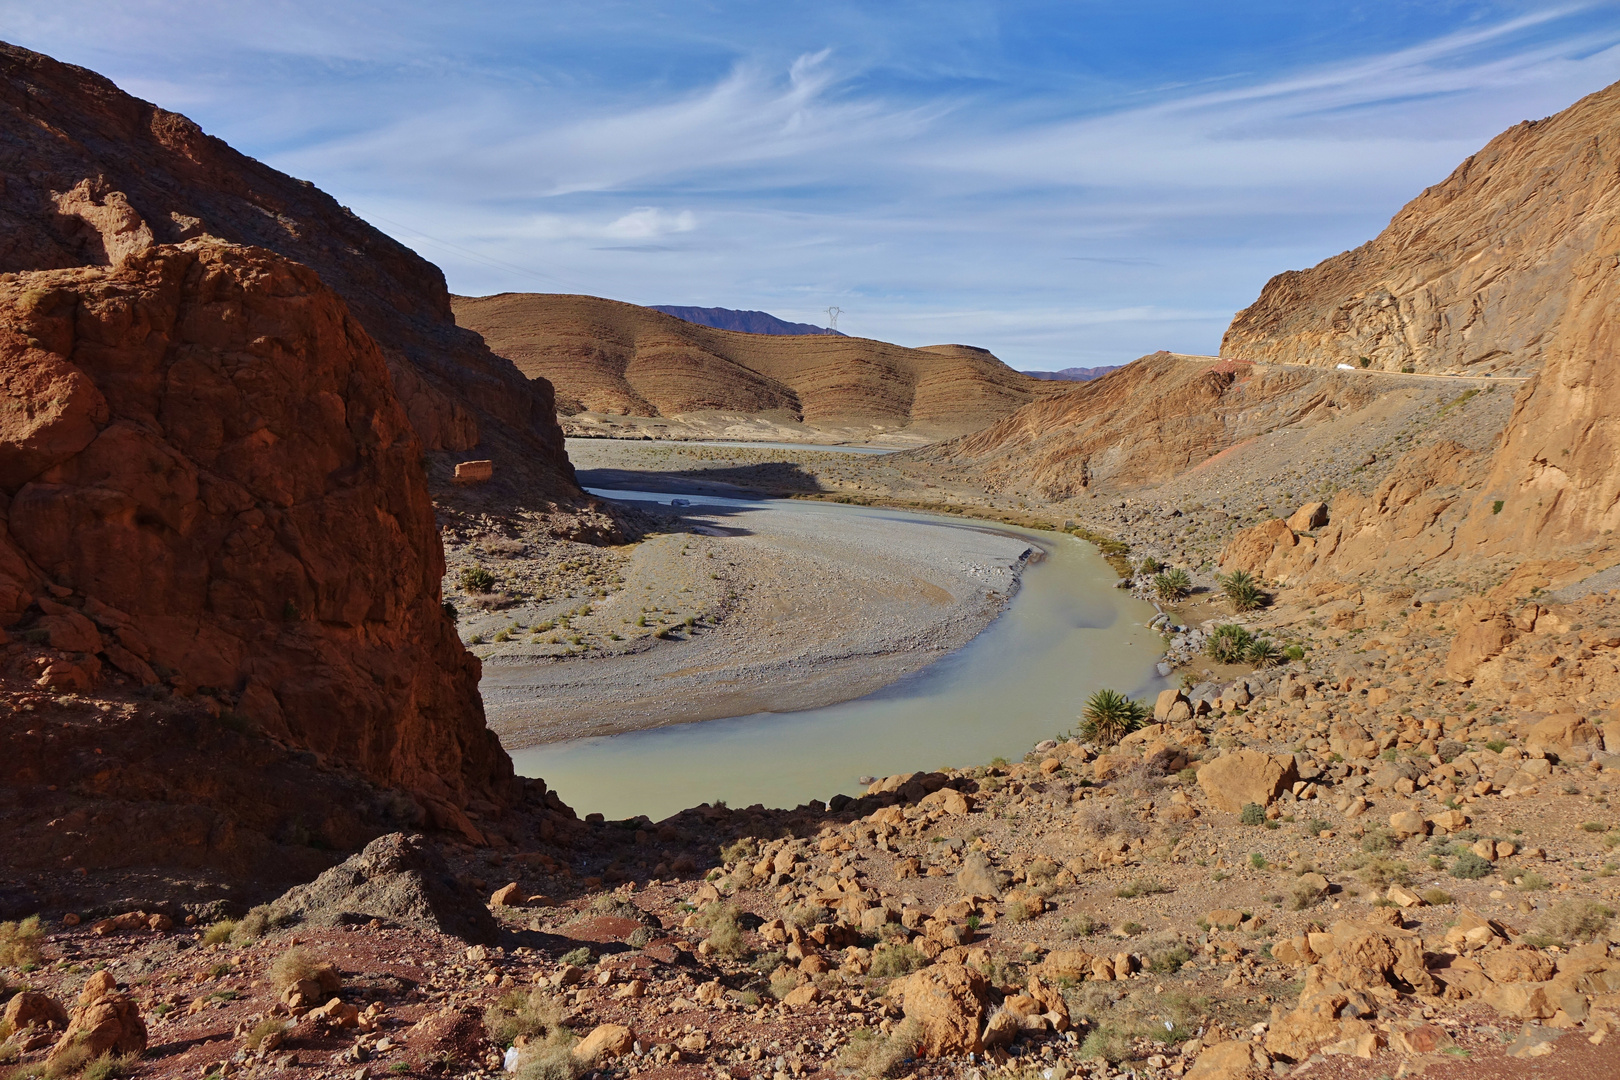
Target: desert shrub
1304	894
475	579
1253	814
1149	565
1379	871
744	848
1172	585
19	943
1471	867
1262	653
872	1055
530	1014
220	932
725	936
294	966
1109	716
1532	882
1082	925
1108	1042
258	922
1163	952
263	1030
577	957
784	984
808	916
895	960
1229	643
1570	922
550	1061
1142	887
1019	910
68	1062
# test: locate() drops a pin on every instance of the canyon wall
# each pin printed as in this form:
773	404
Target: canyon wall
1475	274
208	481
94	174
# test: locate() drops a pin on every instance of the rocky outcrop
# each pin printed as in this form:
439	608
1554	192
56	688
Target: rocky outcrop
614	358
1147	422
95	175
1233	781
401	880
1477	273
208	481
948	1002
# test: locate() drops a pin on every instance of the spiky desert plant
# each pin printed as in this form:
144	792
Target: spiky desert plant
1242	590
1172	584
1109	716
1229	643
1149	565
1262	653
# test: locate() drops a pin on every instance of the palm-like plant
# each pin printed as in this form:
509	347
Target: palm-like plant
1172	584
1242	590
1262	653
1229	643
1149	565
1109	716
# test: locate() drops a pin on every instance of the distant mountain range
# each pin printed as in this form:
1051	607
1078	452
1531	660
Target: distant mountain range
749	322
1074	374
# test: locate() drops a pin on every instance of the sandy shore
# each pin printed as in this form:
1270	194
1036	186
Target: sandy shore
795	605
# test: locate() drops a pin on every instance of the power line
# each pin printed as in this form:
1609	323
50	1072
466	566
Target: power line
832	317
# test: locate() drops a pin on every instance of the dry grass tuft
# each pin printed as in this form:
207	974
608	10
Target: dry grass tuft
19	943
872	1055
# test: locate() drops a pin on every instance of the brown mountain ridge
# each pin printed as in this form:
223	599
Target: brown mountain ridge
608	358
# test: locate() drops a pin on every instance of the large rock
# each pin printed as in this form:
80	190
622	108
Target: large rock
1312	515
30	1007
1564	731
948	1001
1231	1060
1234	780
604	1043
237	498
399	879
1477	641
104	1021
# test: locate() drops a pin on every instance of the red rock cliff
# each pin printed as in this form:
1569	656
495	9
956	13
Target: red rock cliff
206	477
93	174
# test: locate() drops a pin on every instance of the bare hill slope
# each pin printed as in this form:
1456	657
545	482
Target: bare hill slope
1475	273
615	359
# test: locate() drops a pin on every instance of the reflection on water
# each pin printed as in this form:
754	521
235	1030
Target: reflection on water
1068	633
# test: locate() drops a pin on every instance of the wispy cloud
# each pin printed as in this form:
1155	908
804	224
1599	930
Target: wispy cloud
1060	182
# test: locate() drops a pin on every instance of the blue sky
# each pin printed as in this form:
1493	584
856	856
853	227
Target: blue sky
1063	183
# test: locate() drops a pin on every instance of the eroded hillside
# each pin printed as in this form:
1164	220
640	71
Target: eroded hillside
1474	274
622	369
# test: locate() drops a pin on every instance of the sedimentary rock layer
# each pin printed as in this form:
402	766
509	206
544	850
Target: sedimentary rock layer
609	357
1475	273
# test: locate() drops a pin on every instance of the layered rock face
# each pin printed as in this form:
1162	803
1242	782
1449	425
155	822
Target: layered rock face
615	358
94	174
207	479
1476	273
1145	423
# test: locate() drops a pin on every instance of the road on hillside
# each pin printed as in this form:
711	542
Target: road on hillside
1486	379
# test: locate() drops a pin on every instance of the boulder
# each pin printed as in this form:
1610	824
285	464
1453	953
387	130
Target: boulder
1408	823
33	1008
948	1001
1236	779
1168	700
605	1043
802	995
948	801
1522	1001
1229	1061
511	895
1564	731
110	1023
474	472
1476	642
1312	515
397	879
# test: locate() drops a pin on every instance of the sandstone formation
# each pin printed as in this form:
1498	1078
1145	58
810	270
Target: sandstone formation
1149	421
1476	273
209	482
614	358
95	175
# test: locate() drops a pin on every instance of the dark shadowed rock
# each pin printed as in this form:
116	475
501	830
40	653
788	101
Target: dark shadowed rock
399	879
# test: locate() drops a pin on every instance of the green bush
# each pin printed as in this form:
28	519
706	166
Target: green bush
1229	643
19	943
1172	585
476	579
1109	716
528	1014
1253	814
1241	590
1262	653
896	960
1471	866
